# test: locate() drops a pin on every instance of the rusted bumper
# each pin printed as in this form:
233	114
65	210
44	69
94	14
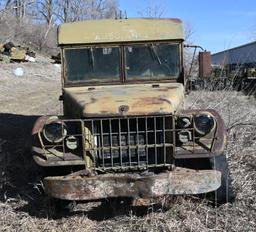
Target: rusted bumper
178	182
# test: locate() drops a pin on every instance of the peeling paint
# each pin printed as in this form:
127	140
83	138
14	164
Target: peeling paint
110	30
141	99
177	182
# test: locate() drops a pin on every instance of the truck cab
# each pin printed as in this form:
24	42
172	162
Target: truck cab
124	132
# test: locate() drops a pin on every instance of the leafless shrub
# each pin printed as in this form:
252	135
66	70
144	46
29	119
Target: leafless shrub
40	37
34	23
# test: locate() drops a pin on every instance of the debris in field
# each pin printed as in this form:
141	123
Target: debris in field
8	46
4	58
57	59
19	72
30	59
16	53
57	65
1	48
30	53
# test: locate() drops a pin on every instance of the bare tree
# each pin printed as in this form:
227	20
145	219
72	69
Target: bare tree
19	8
153	9
190	55
63	12
50	11
78	10
46	9
34	22
188	32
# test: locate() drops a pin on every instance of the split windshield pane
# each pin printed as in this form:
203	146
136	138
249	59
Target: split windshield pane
152	61
92	64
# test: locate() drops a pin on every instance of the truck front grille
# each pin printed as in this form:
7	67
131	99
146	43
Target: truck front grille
130	142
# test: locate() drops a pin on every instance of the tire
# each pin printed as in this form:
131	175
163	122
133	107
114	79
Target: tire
58	207
224	194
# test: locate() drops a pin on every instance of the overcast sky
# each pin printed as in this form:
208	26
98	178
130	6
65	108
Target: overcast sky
216	24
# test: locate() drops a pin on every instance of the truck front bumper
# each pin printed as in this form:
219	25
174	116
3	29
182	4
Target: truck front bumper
180	181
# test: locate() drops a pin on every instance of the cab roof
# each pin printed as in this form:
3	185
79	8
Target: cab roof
120	30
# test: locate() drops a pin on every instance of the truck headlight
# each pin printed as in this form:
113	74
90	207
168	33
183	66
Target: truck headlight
204	123
54	131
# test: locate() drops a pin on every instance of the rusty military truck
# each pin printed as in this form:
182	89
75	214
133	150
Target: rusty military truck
124	132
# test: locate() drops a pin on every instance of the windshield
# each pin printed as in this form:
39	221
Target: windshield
92	64
152	61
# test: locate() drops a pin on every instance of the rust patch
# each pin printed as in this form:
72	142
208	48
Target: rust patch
148	101
177	182
220	135
141	99
123	109
93	100
166	100
175	20
112	31
165	89
39	124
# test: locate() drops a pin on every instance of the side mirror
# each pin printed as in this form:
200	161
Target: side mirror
205	68
61	98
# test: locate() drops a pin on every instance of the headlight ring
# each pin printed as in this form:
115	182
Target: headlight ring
54	131
204	123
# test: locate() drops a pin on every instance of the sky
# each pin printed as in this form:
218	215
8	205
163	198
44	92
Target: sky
216	25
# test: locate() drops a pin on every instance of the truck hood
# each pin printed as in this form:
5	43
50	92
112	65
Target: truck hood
117	100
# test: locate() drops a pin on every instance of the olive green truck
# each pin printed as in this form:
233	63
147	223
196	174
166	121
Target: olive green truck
124	132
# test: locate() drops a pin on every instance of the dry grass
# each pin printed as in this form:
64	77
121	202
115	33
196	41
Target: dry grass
24	208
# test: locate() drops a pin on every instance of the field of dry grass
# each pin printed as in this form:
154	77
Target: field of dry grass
23	207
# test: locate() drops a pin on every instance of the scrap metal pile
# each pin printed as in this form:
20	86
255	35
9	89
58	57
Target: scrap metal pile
11	53
56	59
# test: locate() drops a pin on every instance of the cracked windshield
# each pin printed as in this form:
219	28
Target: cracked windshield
152	61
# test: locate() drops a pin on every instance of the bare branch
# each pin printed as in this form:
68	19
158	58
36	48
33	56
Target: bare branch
153	9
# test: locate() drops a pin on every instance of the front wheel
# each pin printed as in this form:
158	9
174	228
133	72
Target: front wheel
225	192
57	207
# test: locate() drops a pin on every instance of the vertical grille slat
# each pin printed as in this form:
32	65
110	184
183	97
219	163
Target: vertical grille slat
164	141
110	139
102	144
120	142
146	135
137	142
155	141
131	142
94	147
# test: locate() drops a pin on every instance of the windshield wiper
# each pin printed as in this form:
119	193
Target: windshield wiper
92	57
153	49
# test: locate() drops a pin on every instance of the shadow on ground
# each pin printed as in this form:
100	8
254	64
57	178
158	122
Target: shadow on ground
20	175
